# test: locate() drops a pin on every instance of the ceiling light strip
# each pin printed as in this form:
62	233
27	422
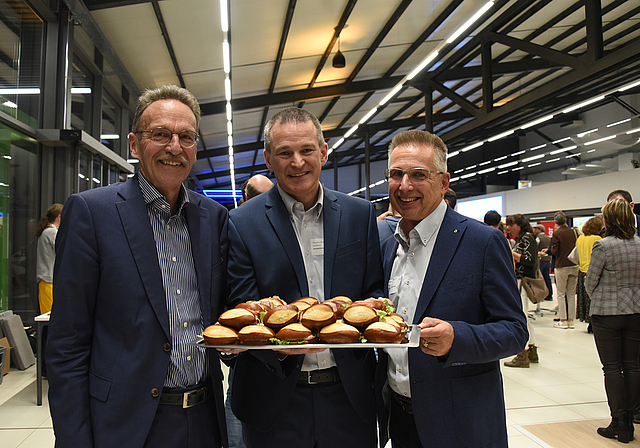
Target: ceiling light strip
226	63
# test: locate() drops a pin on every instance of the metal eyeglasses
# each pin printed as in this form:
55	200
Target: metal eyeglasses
163	136
416	175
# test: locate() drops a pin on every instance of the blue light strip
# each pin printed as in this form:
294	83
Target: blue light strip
222	194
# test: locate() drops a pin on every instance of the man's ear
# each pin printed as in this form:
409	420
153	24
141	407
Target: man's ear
267	159
133	145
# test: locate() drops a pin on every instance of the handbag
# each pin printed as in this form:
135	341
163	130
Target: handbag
574	256
535	288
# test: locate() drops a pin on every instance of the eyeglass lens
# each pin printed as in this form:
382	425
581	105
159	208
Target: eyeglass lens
164	135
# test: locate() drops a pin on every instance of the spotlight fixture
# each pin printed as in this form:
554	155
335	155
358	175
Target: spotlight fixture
339	61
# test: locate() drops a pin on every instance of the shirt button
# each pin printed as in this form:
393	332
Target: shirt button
164	206
188	358
406	394
404	310
178	291
411	254
168	226
173	258
304	226
407	282
185	325
399	369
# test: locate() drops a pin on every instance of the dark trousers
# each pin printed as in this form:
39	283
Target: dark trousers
618	343
175	427
402	426
318	416
545	267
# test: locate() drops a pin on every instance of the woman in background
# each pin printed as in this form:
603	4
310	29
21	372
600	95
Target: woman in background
613	282
525	255
584	243
46	255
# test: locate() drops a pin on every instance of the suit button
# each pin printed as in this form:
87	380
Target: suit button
155	393
166	347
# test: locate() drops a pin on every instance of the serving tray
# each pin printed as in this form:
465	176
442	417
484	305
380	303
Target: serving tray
414	341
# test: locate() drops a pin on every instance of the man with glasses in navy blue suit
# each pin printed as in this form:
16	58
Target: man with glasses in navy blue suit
453	276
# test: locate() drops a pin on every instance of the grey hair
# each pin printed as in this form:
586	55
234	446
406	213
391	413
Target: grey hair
423	138
166	92
291	115
560	218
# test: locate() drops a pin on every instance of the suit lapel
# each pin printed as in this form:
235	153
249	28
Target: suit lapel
197	219
278	217
331	223
447	241
137	228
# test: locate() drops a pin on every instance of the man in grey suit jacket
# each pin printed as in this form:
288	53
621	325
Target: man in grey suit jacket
302	239
454	277
140	272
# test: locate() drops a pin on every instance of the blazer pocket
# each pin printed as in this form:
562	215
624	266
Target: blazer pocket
99	387
349	248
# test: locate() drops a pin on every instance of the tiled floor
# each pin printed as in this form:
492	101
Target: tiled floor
566	385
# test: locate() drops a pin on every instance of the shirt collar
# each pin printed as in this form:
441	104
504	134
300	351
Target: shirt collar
152	197
425	229
290	202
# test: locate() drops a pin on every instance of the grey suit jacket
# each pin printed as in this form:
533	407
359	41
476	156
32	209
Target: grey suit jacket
613	279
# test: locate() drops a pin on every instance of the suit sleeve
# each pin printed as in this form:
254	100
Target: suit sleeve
76	278
504	330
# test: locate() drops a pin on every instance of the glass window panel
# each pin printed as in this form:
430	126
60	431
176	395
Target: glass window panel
20	61
81	84
19	186
84	174
96	177
110	136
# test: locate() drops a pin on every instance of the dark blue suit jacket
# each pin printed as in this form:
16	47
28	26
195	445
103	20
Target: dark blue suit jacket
265	260
109	344
470	283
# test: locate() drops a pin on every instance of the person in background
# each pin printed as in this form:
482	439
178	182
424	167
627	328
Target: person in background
451	198
566	272
296	240
387	223
584	243
46	232
256	185
140	272
525	254
492	218
544	241
613	283
624	194
452	276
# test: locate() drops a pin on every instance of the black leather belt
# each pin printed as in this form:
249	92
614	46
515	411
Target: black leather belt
403	402
324	376
186	399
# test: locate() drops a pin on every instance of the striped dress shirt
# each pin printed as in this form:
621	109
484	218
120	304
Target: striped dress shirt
187	366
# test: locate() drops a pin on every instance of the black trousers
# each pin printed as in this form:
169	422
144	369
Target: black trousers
618	343
402	426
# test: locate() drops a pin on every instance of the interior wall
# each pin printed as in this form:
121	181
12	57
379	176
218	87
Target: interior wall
574	194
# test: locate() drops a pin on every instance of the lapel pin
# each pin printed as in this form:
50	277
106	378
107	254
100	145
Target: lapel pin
455	230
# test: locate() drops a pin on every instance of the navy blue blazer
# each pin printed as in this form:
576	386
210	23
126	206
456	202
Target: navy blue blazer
265	260
470	282
109	344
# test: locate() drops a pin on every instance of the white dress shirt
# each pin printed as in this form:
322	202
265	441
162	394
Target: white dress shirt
309	228
405	283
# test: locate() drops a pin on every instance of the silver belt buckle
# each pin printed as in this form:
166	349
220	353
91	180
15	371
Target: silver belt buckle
186	395
309	379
